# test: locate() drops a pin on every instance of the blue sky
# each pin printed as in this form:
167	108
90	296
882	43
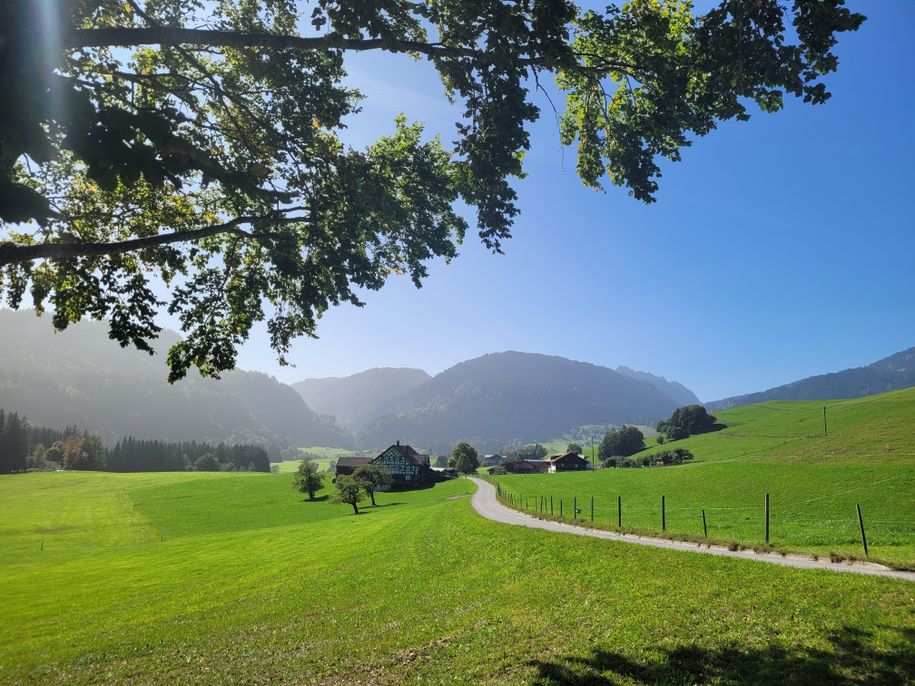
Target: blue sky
778	248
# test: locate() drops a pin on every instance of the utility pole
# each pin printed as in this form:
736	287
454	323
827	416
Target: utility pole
593	458
825	432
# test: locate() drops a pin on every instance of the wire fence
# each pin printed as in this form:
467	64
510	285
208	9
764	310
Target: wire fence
769	523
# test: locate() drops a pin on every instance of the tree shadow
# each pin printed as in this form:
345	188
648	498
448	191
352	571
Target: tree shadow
851	659
319	499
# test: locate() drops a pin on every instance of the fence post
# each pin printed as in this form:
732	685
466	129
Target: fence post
574	508
767	519
704	525
560	508
551	506
619	512
663	516
592	508
861	526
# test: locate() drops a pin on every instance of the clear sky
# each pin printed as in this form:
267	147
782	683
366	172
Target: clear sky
778	248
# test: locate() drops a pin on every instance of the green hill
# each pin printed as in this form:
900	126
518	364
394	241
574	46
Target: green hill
814	480
203	578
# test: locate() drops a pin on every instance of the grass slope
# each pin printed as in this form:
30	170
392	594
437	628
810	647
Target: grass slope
233	578
814	481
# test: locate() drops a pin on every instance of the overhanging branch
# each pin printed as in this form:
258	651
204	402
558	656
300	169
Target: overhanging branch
12	253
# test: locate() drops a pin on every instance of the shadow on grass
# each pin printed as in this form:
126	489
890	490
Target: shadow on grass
319	499
852	659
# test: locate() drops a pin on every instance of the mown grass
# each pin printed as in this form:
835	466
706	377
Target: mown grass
814	481
290	466
233	578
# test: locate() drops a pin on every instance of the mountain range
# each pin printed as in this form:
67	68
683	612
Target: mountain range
492	401
888	374
81	377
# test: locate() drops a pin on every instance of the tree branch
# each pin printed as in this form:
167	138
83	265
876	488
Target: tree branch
175	36
12	253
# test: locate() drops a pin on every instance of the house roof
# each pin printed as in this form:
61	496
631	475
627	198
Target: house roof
352	460
561	456
409	454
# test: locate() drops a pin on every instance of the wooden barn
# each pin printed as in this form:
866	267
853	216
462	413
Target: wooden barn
347	463
567	462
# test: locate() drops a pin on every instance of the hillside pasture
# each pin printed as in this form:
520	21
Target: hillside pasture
814	480
228	578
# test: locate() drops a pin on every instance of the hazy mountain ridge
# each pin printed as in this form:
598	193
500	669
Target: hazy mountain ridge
888	374
80	376
503	397
674	390
354	400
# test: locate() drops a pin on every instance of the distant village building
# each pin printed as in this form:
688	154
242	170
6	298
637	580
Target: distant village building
491	460
408	467
565	462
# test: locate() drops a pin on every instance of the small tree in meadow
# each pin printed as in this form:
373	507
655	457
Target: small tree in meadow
349	491
574	448
307	479
372	477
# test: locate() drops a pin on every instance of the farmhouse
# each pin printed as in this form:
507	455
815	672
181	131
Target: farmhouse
567	462
408	467
527	466
564	462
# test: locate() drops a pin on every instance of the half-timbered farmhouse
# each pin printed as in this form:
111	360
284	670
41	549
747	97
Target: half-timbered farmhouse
408	467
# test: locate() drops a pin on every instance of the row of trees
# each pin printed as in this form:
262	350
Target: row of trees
135	455
664	458
14	443
23	447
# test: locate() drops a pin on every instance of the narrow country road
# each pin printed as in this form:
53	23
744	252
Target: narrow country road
485	503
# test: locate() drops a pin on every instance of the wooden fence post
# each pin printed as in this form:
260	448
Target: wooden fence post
861	526
551	506
592	508
663	516
574	508
767	519
704	525
619	512
560	508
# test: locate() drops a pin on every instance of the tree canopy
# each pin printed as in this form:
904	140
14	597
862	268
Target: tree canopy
372	477
464	458
307	479
622	442
689	420
201	145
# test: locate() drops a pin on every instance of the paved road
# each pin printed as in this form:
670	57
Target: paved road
485	503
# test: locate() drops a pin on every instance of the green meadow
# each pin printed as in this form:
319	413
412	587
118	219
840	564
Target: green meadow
234	578
814	481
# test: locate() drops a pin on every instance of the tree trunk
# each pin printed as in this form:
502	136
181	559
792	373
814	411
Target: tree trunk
372	496
355	508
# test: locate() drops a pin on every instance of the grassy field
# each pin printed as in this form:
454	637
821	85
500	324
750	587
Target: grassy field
233	578
290	466
814	481
326	456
